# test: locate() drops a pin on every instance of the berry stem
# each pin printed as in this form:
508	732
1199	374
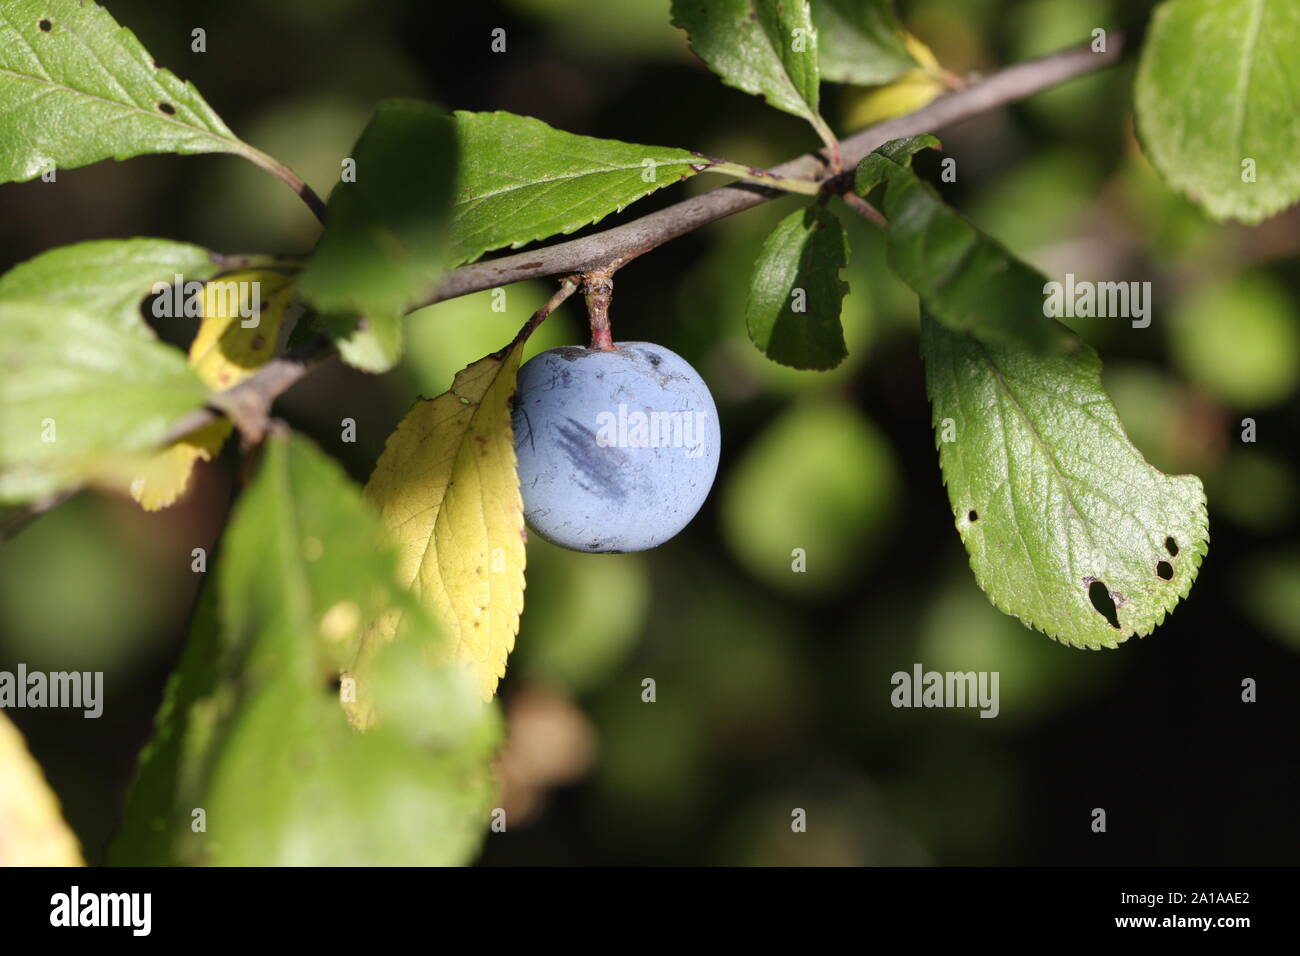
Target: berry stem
568	286
598	289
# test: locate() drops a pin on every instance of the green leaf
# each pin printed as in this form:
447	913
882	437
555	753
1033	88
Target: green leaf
108	275
384	243
861	41
1060	513
1051	499
77	387
520	180
252	729
1216	97
793	312
957	271
75	88
764	47
189	717
372	343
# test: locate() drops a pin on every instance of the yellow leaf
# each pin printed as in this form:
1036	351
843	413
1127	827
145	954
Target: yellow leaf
447	491
32	831
921	53
164	477
223	354
908	93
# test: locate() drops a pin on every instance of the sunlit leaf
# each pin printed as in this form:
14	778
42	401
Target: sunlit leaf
906	94
108	275
163	477
764	47
1216	101
76	88
78	389
227	349
242	315
448	493
519	180
252	731
32	831
1067	526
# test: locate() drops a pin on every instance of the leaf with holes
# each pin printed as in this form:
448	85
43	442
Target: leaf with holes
1064	520
764	47
795	292
1067	525
861	41
1216	99
76	88
519	180
447	490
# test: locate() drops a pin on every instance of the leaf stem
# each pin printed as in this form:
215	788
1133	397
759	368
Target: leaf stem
765	177
832	144
287	176
568	286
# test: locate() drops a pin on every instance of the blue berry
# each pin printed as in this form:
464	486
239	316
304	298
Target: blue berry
617	450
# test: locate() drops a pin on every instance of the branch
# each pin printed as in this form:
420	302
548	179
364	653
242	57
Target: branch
618	245
249	403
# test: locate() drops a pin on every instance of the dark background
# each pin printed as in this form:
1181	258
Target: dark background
773	688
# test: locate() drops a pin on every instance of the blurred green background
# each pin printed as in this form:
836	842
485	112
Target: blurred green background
772	687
